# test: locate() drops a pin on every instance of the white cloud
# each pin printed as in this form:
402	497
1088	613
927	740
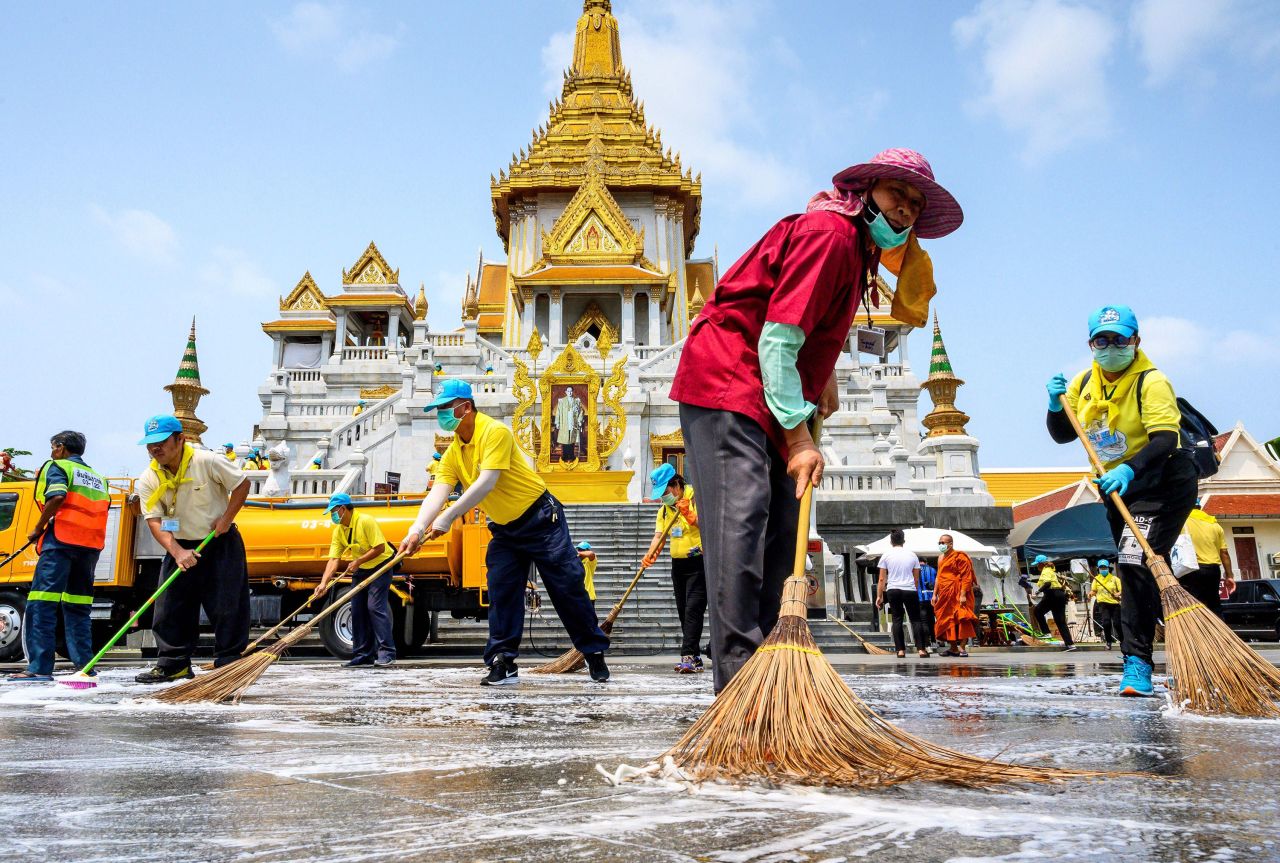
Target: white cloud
1043	69
231	271
1173	34
331	30
1174	343
140	232
697	88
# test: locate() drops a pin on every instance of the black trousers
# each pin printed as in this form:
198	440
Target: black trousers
747	514
1160	502
900	600
927	618
1205	585
1107	616
220	583
1053	602
689	580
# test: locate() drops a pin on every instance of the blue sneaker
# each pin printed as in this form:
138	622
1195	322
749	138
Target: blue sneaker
1136	680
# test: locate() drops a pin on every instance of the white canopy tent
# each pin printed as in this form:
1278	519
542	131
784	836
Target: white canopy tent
924	541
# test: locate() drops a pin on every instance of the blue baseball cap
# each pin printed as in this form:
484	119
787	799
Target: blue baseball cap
339	499
317	460
158	428
661	475
435	456
228	446
584	546
1040	558
450	390
1104	564
1113	319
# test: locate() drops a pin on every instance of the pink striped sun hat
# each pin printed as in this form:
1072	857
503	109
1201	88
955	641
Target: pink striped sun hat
941	214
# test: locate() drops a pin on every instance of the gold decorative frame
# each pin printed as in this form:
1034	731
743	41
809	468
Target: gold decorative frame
381	392
659	442
592	314
569	369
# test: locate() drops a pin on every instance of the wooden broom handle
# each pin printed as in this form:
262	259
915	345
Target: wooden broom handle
273	630
334	606
1099	470
806	504
671	522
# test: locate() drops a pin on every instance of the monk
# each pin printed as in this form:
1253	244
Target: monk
953	600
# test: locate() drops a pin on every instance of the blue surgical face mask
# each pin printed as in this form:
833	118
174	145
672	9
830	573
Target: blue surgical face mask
669	499
883	234
943	549
1113	359
448	420
335	517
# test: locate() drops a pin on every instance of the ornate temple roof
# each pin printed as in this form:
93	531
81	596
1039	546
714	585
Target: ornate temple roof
371	269
186	390
597	126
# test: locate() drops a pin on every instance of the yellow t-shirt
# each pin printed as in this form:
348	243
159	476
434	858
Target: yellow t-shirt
350	543
684	536
1207	536
1107	588
492	447
589	576
1160	412
1048	579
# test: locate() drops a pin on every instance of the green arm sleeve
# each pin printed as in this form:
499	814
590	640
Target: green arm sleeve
779	346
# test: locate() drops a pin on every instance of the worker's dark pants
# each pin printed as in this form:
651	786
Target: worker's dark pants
902	600
928	620
63	578
1107	616
540	537
1205	584
689	580
747	514
220	583
371	637
1053	602
1160	502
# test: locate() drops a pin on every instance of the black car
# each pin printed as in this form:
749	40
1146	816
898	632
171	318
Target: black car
1253	611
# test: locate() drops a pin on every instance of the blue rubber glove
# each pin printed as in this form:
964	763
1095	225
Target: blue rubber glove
1115	480
1057	388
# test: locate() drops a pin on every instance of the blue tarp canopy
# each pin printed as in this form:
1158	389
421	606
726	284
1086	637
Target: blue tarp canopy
1077	531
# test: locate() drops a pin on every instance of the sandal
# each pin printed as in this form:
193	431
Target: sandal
902	654
963	653
923	654
950	653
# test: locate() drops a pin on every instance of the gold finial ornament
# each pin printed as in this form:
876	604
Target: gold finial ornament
420	305
186	391
604	344
535	345
942	383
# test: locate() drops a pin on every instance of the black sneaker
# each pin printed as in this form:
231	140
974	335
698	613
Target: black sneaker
599	671
1069	648
502	672
156	674
358	663
384	663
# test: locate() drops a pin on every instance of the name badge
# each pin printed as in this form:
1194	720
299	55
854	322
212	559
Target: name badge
870	340
677	531
169	524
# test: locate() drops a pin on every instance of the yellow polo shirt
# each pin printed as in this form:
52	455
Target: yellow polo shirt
199	503
353	542
1132	430
1107	588
1208	538
1048	579
492	447
684	536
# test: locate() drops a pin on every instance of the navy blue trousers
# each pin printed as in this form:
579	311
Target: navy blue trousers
371	637
540	537
63	579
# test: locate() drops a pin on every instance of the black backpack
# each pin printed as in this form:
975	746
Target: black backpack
1196	431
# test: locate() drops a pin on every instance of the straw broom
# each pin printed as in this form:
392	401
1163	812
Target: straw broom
1210	669
788	716
873	649
208	666
229	683
572	659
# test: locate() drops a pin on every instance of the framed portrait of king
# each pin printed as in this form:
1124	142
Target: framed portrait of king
569	390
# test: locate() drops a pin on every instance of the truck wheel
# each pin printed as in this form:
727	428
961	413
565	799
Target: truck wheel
335	630
13	606
417	625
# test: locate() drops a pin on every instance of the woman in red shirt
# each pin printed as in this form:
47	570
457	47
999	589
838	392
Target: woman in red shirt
760	360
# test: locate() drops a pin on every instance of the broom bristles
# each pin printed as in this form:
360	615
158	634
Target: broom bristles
1211	670
227	684
788	716
572	659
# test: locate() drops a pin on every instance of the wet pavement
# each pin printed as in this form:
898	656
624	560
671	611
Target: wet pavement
419	763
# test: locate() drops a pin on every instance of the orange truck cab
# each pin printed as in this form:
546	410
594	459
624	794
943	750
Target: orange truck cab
287	546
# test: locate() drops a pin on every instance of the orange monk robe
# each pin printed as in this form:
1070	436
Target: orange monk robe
953	598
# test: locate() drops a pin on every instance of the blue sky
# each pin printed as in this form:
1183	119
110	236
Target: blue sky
164	160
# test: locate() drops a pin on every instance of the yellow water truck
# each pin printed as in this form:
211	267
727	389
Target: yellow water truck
287	546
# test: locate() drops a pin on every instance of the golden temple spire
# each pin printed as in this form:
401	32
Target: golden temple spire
186	391
596	50
420	306
942	383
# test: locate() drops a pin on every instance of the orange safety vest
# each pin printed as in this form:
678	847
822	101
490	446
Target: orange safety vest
82	518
